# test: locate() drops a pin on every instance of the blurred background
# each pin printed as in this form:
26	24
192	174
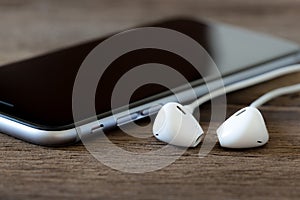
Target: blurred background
29	27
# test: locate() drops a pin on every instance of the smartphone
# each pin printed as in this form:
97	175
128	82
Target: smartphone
36	93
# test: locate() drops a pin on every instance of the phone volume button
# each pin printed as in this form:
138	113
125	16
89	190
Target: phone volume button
151	110
97	128
126	119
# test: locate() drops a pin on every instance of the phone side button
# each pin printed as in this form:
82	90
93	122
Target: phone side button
97	128
126	119
151	110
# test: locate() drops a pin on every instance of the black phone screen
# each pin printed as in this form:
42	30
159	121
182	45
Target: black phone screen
38	91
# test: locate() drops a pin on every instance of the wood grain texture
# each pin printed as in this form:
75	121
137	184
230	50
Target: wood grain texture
27	171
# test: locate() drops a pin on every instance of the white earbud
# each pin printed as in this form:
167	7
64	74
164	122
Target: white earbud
247	128
244	129
174	124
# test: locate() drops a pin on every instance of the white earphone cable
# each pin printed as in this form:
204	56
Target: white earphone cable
246	83
275	93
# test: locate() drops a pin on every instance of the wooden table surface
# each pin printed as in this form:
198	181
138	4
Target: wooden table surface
28	171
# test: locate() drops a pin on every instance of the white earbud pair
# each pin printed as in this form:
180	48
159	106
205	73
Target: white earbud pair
176	125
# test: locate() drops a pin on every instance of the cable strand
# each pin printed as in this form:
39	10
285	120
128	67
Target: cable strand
275	93
243	84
